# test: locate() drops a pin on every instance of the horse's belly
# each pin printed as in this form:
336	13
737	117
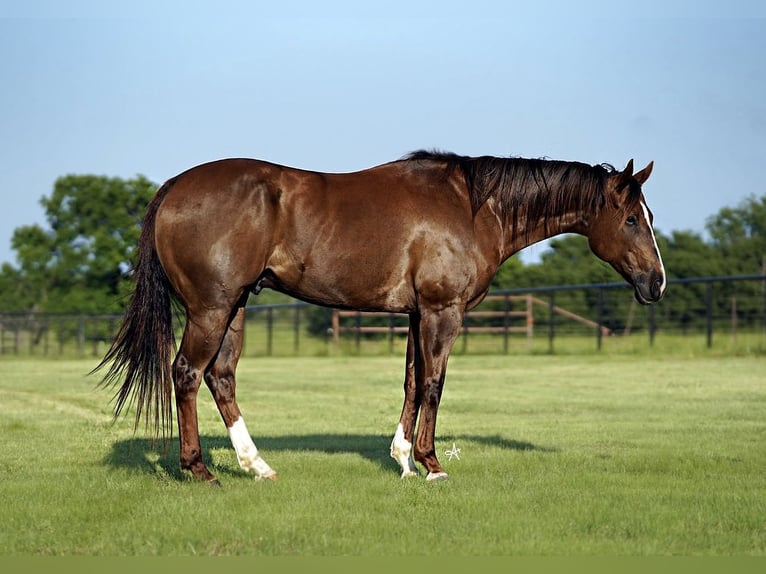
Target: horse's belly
376	266
357	285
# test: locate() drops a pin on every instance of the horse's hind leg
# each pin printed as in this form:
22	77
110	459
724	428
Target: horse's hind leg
221	381
401	445
201	341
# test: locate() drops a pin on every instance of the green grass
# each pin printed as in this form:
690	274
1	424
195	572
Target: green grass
562	455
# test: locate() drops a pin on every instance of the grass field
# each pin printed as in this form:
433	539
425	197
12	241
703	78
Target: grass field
559	455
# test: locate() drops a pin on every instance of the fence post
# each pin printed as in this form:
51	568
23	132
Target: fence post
335	326
81	334
709	313
506	321
297	330
358	330
551	320
530	318
245	329
95	337
269	329
600	317
391	325
763	272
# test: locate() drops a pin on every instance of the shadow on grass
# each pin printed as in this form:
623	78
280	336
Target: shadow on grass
145	455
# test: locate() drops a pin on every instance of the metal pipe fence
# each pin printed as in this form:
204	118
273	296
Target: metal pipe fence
722	313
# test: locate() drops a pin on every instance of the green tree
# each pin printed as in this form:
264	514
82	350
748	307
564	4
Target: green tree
82	262
568	261
739	233
571	262
739	236
509	274
686	255
14	296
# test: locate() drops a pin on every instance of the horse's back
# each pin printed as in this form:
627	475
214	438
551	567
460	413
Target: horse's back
359	239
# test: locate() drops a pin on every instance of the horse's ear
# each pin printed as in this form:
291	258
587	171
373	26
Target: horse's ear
644	174
624	177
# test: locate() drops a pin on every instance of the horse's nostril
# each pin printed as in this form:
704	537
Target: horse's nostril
656	289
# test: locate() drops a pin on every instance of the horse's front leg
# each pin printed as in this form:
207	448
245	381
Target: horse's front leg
401	445
438	331
221	381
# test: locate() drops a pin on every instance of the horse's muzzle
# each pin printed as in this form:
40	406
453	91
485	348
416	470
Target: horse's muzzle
649	288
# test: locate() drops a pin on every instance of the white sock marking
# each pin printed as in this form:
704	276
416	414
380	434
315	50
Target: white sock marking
401	451
247	452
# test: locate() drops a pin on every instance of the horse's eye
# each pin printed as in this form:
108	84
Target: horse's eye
631	220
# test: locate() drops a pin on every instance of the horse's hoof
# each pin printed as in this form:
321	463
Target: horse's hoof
409	473
437	476
268	476
215	483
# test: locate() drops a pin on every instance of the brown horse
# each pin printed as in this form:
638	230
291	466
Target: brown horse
423	236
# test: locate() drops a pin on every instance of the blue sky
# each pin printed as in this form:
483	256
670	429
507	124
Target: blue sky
128	88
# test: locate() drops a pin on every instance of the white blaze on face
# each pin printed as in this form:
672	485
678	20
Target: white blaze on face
656	249
247	453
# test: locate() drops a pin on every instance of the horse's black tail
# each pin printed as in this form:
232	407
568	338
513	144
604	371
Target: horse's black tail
142	351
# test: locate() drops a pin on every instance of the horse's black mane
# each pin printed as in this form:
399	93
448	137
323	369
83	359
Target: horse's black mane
535	189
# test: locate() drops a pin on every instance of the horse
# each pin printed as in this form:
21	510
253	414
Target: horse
422	235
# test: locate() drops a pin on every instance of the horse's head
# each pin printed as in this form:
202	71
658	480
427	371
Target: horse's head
622	235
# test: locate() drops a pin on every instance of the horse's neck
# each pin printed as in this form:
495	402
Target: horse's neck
526	232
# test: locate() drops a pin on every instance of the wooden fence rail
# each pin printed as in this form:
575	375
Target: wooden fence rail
513	320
